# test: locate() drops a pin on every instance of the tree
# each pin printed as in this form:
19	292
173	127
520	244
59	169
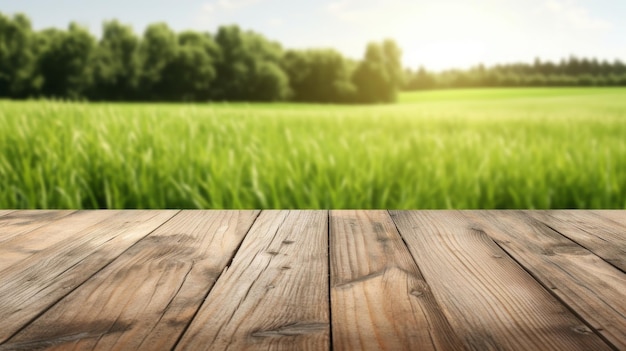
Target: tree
319	76
421	79
17	57
156	51
379	76
248	69
115	63
231	66
190	74
64	61
268	82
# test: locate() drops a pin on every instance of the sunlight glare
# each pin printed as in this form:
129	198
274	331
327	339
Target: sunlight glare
439	37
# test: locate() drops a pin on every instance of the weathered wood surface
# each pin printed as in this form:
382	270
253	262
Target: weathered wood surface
344	280
601	235
375	283
25	221
587	283
275	293
5	212
145	297
69	252
491	301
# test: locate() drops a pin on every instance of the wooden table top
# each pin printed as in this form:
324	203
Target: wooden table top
343	280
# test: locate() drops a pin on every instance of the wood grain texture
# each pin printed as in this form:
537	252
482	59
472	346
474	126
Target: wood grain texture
600	235
275	293
488	298
379	299
5	212
618	216
545	280
36	237
147	296
72	251
590	286
15	223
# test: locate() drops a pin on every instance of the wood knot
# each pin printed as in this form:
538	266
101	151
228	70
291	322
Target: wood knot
478	230
292	329
582	329
570	250
417	293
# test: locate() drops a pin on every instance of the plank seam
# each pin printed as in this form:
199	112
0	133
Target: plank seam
83	282
577	243
251	285
169	303
410	253
228	264
330	303
419	271
232	258
552	293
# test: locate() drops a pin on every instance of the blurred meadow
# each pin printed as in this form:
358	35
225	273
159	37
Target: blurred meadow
217	115
467	148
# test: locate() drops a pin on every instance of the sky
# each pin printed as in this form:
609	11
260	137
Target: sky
435	34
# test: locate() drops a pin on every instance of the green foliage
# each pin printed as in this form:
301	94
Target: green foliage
319	76
570	72
421	79
17	57
115	64
157	50
268	82
379	76
64	61
238	65
475	148
191	72
249	67
162	65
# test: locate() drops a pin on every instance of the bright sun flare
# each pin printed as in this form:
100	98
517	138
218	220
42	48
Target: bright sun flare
439	37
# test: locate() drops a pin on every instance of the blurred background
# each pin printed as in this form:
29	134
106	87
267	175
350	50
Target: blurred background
316	104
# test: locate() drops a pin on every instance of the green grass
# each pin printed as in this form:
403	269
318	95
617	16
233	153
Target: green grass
485	148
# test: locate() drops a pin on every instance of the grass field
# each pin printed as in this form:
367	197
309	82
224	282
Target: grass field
486	148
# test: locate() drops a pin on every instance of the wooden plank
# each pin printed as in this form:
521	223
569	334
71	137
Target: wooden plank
600	235
590	286
20	222
37	282
5	212
19	238
618	216
35	237
146	297
379	299
488	298
275	293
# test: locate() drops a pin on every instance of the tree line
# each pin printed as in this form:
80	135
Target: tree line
163	65
572	71
238	65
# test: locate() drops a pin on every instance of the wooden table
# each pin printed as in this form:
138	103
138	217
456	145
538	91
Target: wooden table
344	280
